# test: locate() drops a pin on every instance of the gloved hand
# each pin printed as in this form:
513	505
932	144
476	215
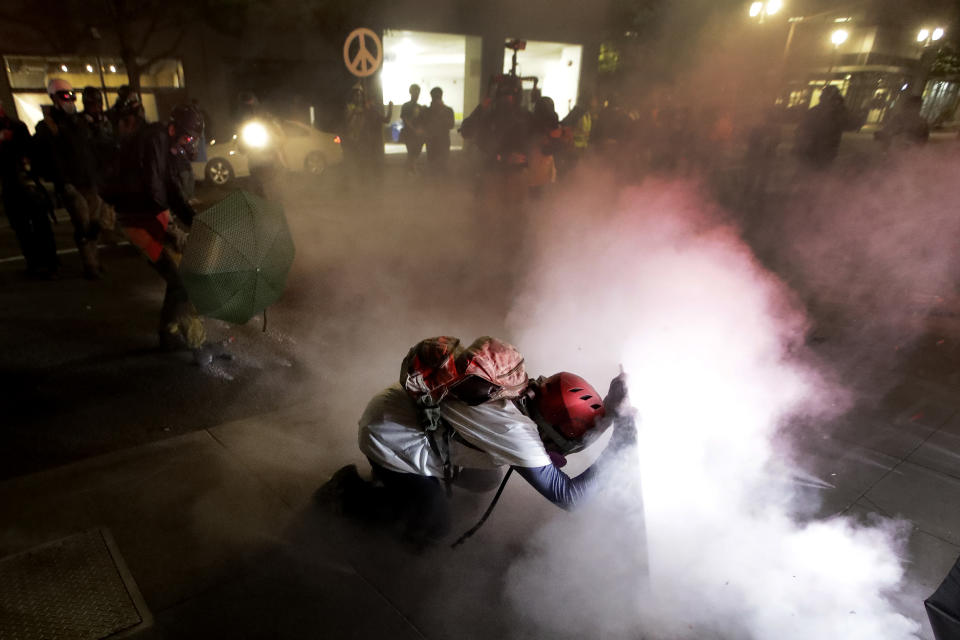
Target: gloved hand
617	400
616	405
177	237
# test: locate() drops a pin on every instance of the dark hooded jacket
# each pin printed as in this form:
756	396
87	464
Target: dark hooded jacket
65	156
147	180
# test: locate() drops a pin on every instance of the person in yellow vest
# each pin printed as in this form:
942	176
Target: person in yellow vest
580	122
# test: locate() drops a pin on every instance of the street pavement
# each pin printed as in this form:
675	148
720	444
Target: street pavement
205	476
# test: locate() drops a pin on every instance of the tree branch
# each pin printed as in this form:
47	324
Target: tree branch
166	53
152	27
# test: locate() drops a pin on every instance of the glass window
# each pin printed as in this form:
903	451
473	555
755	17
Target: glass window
34	72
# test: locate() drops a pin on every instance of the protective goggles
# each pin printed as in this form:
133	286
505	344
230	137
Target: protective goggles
188	146
66	96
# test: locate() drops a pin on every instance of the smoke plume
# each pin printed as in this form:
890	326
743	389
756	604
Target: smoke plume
713	544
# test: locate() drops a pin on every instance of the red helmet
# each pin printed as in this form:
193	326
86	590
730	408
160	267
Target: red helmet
570	407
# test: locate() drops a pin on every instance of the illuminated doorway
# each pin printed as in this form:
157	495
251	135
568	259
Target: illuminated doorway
557	68
448	61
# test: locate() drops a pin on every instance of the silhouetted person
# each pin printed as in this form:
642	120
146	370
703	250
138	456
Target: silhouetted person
501	127
363	134
261	140
438	120
501	130
149	199
613	138
906	127
123	99
818	136
65	158
580	121
547	139
762	142
413	133
99	129
208	131
25	201
376	115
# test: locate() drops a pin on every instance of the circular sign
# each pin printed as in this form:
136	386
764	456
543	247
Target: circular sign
363	63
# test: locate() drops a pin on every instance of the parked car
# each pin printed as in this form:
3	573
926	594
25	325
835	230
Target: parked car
304	148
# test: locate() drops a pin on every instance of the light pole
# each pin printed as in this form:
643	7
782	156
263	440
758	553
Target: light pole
838	37
760	11
925	38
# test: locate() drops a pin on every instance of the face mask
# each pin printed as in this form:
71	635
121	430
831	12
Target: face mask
188	147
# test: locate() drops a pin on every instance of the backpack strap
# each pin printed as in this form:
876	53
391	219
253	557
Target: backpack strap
438	436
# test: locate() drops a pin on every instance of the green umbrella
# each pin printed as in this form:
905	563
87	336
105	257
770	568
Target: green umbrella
237	258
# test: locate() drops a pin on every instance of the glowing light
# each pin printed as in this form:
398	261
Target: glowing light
755	9
213	141
64	68
937	34
337	139
89	68
839	36
922	35
255	135
709	350
113	68
773	6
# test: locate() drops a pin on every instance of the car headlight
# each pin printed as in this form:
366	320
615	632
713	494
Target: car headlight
255	135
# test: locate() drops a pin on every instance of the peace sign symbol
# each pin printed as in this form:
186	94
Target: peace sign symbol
364	63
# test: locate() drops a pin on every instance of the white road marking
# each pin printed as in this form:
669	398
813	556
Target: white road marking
66	251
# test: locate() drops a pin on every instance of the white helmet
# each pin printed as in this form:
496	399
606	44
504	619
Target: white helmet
58	84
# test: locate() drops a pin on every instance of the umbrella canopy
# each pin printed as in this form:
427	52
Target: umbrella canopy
943	607
237	257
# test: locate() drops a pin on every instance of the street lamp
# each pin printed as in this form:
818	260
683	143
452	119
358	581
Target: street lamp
761	10
838	37
925	36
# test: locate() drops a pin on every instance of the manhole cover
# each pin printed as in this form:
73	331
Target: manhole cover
76	588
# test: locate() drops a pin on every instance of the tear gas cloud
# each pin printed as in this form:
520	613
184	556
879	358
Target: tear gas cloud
713	344
875	251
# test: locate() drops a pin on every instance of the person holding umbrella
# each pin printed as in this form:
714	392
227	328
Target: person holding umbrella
149	200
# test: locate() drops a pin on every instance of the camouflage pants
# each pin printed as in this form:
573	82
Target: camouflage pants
178	318
88	214
179	322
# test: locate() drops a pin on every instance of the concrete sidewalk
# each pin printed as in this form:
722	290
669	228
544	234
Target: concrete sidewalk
220	533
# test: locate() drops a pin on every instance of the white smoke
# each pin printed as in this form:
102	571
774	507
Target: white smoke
713	344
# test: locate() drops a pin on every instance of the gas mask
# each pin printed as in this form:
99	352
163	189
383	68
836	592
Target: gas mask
65	100
187	147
